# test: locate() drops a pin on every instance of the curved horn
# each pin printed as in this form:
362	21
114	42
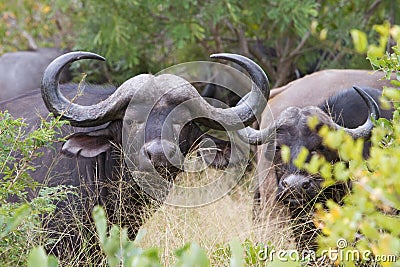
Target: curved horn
373	111
110	109
245	112
252	136
114	106
258	137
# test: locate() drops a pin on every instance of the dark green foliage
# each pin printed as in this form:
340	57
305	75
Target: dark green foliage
284	37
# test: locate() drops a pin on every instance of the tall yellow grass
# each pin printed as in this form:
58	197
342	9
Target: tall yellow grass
216	224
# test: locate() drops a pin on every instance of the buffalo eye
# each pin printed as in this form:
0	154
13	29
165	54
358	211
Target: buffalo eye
320	148
306	185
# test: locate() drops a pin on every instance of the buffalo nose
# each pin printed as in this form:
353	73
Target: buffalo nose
296	181
160	153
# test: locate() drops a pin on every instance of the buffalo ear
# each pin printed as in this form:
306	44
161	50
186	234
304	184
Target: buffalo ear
220	155
87	145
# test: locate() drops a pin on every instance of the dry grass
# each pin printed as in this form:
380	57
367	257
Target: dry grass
215	224
211	226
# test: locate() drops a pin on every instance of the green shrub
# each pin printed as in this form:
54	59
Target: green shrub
367	225
20	222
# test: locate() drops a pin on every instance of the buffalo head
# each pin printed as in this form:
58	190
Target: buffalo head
157	118
296	187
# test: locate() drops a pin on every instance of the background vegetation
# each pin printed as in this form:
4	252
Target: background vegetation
288	39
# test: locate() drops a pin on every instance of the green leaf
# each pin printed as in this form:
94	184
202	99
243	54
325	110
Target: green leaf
19	215
181	251
193	256
52	261
360	40
315	163
395	33
369	230
375	51
285	154
340	171
326	171
99	217
313	122
392	93
237	253
139	236
382	29
301	158
37	257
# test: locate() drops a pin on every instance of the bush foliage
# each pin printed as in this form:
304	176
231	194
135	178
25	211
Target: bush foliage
287	38
368	222
20	215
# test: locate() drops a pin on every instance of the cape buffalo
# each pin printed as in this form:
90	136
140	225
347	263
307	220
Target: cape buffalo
21	71
157	118
311	90
324	95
